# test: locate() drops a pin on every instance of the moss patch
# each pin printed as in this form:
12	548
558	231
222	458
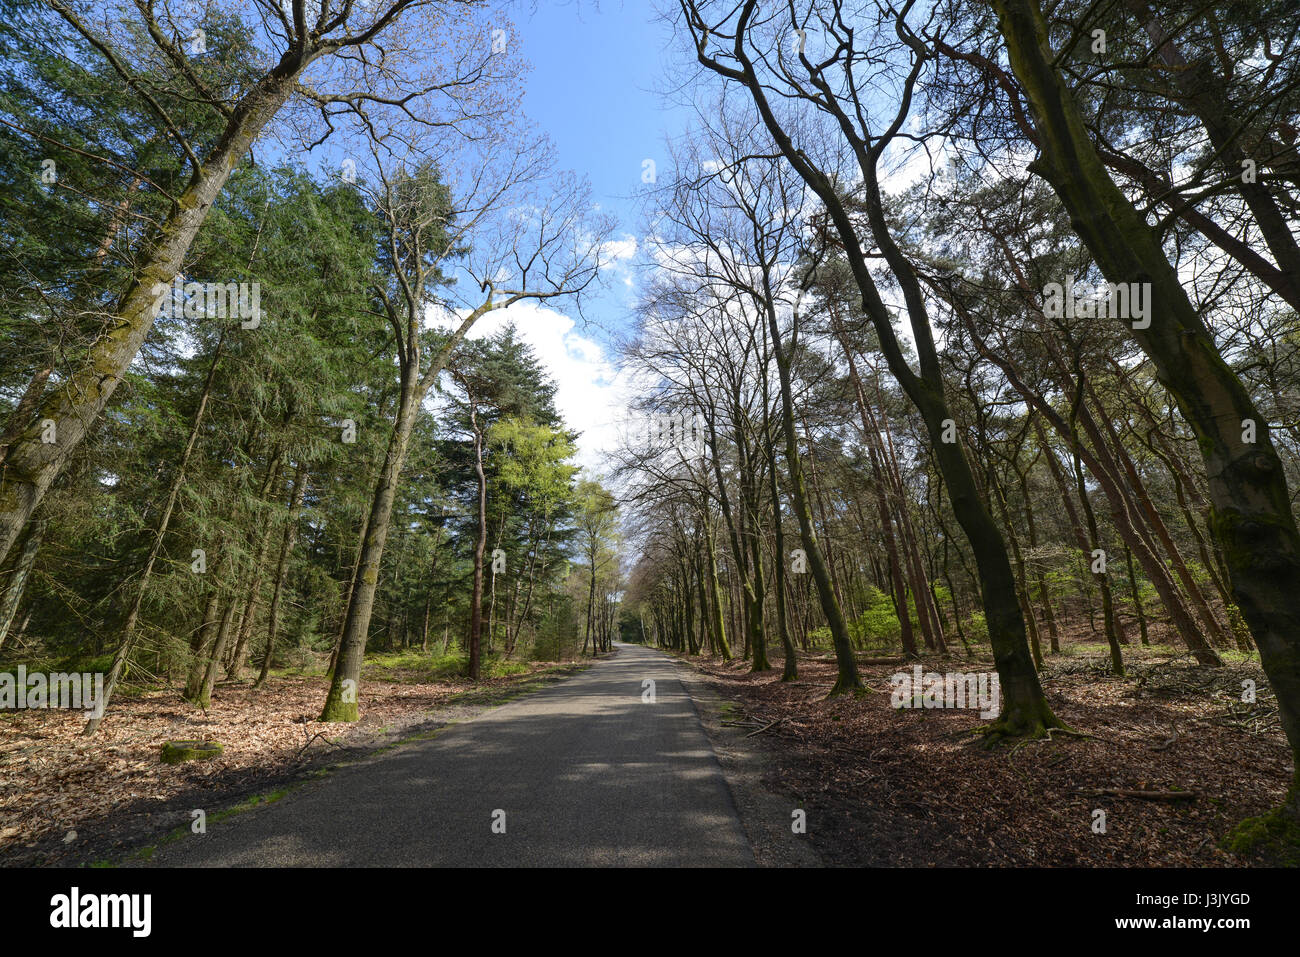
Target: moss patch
1274	837
174	752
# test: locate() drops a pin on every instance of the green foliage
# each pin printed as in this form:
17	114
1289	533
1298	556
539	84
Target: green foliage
1275	836
878	626
976	628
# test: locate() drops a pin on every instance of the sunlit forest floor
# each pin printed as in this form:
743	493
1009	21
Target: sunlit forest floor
916	788
67	799
881	786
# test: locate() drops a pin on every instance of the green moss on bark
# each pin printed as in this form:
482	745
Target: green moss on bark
1274	836
174	752
337	710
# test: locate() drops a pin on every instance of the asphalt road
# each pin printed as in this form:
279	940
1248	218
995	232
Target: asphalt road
586	773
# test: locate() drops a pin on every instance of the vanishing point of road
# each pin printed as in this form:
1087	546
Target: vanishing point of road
586	772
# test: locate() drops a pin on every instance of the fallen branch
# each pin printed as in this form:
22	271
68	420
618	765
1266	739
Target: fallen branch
765	727
318	734
1169	742
1145	795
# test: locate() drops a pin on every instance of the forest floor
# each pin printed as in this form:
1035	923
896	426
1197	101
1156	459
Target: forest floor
67	800
898	787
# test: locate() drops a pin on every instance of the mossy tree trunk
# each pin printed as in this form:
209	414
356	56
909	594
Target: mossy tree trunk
341	702
31	464
17	584
1252	518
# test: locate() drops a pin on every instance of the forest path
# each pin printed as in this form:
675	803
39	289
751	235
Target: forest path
586	772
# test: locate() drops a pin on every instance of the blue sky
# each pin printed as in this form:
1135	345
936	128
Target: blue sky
595	85
597	72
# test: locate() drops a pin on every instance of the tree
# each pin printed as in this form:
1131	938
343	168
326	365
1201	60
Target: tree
555	250
341	61
1252	516
1024	708
596	519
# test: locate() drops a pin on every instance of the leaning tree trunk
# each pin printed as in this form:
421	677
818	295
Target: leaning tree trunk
341	702
31	464
207	677
127	640
21	416
1025	709
209	641
1108	613
1252	517
13	593
1104	470
871	433
1202	94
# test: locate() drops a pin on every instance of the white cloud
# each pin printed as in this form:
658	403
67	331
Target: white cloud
591	394
617	249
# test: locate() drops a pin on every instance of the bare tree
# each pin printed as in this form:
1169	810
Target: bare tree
765	54
525	234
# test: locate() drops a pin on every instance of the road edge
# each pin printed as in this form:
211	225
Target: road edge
765	814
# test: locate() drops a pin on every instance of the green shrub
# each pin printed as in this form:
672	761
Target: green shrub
878	626
977	629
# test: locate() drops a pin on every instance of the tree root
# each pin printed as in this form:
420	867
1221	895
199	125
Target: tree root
1019	726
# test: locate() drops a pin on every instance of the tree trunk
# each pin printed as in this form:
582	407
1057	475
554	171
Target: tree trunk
719	626
341	704
31	465
1252	517
790	668
17	584
245	632
127	638
480	547
281	568
847	679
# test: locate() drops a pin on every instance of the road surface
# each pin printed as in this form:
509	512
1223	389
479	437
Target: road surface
583	773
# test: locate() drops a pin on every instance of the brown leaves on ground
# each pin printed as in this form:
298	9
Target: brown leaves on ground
886	786
67	798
